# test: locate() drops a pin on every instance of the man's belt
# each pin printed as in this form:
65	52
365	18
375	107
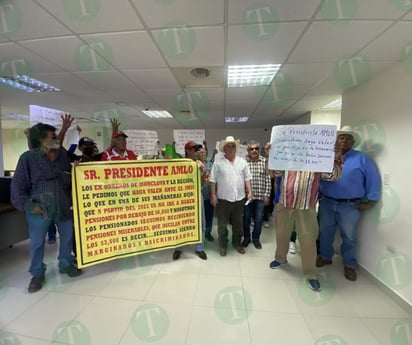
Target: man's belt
343	200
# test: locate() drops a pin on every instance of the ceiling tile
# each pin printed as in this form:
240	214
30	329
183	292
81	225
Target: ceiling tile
282	10
26	20
129	50
197	47
267	47
323	41
23	60
391	44
152	78
94	16
158	14
61	51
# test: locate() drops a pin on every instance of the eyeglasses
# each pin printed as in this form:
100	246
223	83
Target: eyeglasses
253	148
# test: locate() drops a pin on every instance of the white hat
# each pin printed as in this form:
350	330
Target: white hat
229	140
348	130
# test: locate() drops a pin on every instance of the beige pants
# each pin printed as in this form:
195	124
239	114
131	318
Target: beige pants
306	226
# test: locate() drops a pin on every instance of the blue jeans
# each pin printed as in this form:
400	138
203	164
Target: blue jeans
346	216
254	210
198	246
38	227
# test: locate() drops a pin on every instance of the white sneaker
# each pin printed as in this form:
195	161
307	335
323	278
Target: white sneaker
292	248
266	224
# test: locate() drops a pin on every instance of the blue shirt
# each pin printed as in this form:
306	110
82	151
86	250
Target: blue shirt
39	180
360	179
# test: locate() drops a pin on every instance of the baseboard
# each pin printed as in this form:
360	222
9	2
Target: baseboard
399	300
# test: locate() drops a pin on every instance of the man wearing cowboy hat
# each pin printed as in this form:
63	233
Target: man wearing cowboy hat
231	174
342	202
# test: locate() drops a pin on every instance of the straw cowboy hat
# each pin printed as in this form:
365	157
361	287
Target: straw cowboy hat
348	130
229	140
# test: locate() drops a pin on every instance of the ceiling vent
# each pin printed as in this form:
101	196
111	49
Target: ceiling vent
200	72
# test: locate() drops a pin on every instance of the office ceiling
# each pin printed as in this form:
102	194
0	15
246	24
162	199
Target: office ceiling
115	58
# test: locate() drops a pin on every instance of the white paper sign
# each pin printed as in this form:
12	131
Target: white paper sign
182	136
53	117
302	148
142	142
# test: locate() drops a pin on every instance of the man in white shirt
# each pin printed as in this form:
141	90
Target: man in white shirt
232	176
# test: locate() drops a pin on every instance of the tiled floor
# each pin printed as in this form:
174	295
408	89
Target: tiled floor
151	299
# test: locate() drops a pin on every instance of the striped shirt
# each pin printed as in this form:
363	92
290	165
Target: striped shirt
260	181
299	189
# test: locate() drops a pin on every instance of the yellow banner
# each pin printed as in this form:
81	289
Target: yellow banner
125	208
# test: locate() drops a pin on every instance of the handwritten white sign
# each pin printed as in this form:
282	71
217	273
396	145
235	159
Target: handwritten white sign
302	148
182	136
53	117
143	142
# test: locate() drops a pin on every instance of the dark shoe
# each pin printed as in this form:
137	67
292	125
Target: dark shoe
222	251
257	244
71	271
276	264
36	284
350	273
314	284
320	262
52	239
240	249
201	255
209	237
176	254
245	242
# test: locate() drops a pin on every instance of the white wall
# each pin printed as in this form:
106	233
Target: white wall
381	112
326	117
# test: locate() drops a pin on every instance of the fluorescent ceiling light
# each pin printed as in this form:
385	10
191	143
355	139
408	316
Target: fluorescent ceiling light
251	75
27	84
157	114
336	104
236	118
